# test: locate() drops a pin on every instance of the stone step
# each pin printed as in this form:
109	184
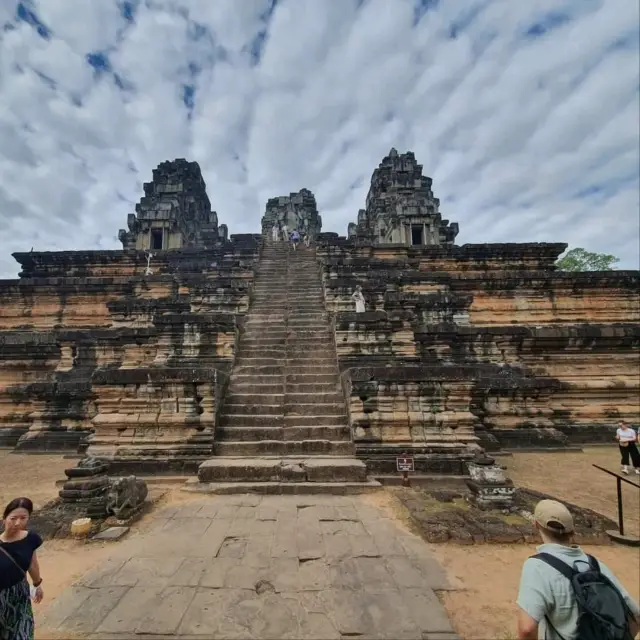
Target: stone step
283	488
312	368
252	334
309	339
276	314
310	335
249	434
284	359
311	378
279	308
248	378
283	448
257	326
298	420
322	397
319	387
248	420
251	388
285	290
313	408
250	360
260	352
253	409
262	327
259	371
310	352
267	420
278	469
333	432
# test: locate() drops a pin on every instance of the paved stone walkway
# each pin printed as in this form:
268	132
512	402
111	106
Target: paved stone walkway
260	567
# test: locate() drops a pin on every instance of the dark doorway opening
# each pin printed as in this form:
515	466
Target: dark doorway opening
156	238
416	235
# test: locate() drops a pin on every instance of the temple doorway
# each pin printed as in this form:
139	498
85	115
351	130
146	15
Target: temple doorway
157	239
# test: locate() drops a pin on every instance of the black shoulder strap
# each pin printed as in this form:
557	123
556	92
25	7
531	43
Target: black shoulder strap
567	571
593	563
13	560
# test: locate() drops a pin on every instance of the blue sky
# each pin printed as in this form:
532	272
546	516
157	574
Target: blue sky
525	114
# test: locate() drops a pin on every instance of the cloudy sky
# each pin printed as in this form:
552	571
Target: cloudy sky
524	113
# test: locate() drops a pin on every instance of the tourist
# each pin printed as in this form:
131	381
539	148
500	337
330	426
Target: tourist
17	559
274	232
295	239
548	606
285	232
358	298
627	438
306	239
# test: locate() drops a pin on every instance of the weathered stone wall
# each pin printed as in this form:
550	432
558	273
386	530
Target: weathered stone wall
496	340
93	349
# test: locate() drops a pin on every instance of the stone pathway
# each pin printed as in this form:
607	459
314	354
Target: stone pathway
296	567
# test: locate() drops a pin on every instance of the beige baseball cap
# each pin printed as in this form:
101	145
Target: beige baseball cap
553	515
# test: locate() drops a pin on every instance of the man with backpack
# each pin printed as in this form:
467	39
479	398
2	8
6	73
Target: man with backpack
566	594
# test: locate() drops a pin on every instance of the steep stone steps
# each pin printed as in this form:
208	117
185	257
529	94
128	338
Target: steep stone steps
252	409
311	378
251	434
284	418
317	387
279	469
249	387
251	420
282	447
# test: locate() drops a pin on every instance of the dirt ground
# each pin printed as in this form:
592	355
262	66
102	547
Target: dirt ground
33	476
486	580
477	612
571	477
480	613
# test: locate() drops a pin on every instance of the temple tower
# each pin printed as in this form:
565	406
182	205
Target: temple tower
174	212
297	210
401	208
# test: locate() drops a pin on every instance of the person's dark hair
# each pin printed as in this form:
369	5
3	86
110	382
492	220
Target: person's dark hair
557	534
18	503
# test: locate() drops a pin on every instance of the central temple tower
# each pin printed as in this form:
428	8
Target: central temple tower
296	211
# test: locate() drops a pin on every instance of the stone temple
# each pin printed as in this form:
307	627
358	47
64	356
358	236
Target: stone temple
238	360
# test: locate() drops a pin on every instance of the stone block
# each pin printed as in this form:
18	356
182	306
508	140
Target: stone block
239	469
111	534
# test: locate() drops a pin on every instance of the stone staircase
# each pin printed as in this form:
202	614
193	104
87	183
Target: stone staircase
284	425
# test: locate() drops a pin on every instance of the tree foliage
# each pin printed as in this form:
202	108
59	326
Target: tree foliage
581	260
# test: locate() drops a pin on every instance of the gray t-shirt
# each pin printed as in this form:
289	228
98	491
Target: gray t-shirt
546	592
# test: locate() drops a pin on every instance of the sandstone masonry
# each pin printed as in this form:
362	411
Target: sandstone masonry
190	349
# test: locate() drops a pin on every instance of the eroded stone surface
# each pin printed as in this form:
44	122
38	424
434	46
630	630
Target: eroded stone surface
261	567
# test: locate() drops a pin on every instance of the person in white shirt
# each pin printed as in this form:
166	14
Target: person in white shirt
358	298
627	439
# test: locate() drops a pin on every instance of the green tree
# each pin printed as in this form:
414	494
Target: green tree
581	260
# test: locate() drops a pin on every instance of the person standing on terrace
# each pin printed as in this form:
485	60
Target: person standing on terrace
627	442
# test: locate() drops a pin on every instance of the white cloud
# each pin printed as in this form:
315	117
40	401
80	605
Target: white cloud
528	135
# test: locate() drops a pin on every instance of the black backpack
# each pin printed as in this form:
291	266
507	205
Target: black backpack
603	613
